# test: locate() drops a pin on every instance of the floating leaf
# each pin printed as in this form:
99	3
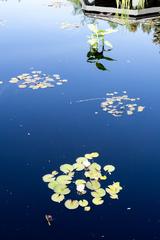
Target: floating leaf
83	203
95	154
93	185
71	204
80	160
140	108
97	201
54	173
109	168
66	168
87	209
47	178
52	184
57	197
80	181
64	179
88	156
78	166
98	193
95	166
103	177
61	189
22	86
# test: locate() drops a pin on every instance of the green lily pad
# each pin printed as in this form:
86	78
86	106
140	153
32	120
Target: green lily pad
97	201
57	197
71	204
66	168
83	203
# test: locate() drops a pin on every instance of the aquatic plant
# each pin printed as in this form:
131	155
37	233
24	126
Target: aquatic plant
98	46
37	80
87	180
118	105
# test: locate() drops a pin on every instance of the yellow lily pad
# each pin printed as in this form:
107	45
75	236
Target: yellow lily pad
98	193
87	209
83	203
71	204
109	168
66	168
93	185
57	197
97	201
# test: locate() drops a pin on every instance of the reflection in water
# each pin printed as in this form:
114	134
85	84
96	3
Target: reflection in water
133	14
97	44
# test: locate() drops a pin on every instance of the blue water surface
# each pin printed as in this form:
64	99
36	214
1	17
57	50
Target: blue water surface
40	130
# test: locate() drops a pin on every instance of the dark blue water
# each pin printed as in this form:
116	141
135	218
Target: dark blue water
40	130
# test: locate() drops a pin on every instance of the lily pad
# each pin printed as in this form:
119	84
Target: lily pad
83	203
57	197
47	178
64	179
109	168
66	168
78	166
71	204
98	193
87	209
62	189
93	185
97	201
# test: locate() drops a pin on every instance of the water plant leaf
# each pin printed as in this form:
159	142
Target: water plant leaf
95	154
83	203
80	181
47	178
54	173
93	185
97	201
87	209
78	166
141	108
88	156
62	189
95	166
80	160
64	179
109	168
52	184
98	193
71	204
66	168
57	197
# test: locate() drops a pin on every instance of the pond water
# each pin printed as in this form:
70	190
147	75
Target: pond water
44	128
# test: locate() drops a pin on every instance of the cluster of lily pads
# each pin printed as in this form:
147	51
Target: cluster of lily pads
83	177
37	80
118	105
